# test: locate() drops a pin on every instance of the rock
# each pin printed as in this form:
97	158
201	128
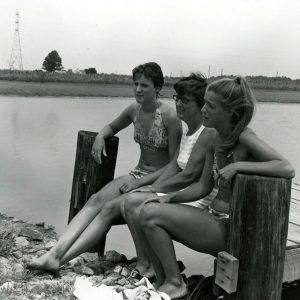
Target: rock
114	256
125	272
118	269
40	224
21	242
106	265
17	254
77	261
89	257
50	244
31	234
122	281
87	271
49	227
18	270
15	220
7	285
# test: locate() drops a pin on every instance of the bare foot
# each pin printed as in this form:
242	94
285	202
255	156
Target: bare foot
174	290
145	269
46	263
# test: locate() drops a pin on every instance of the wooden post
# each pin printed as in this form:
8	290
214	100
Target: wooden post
89	177
259	215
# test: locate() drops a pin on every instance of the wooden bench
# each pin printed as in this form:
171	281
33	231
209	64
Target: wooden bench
89	177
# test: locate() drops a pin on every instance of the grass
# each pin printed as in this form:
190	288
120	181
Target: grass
59	89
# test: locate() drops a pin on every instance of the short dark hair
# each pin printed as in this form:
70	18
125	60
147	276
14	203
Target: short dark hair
193	85
151	71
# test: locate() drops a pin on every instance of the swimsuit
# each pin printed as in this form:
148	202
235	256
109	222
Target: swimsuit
138	172
157	138
187	144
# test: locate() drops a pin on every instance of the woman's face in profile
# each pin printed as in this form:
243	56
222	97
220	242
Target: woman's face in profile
144	89
213	112
186	107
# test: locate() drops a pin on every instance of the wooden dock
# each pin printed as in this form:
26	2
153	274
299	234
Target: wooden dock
292	258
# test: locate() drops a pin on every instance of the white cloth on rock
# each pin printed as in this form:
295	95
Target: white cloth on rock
84	290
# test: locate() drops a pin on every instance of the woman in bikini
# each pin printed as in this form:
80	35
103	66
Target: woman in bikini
157	130
183	170
229	106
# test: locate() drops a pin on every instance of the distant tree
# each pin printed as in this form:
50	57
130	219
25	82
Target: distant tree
52	62
90	71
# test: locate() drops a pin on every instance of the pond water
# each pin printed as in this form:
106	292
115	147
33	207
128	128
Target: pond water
37	154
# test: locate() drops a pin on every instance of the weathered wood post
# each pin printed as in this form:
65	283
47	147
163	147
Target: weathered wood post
89	177
259	215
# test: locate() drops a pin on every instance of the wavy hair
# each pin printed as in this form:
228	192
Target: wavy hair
151	71
193	85
237	97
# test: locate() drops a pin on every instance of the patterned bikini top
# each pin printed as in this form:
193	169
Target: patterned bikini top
225	193
156	139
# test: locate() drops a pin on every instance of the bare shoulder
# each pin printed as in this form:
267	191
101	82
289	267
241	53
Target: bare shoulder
247	136
208	136
131	110
169	114
167	111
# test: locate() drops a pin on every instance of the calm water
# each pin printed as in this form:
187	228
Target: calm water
38	144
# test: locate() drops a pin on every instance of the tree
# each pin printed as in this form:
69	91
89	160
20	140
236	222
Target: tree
90	71
52	62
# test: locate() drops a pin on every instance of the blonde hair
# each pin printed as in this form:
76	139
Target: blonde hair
237	97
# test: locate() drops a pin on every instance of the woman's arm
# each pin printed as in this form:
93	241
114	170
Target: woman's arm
193	168
199	189
266	161
174	128
122	121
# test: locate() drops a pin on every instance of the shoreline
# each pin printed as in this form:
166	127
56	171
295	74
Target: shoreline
92	90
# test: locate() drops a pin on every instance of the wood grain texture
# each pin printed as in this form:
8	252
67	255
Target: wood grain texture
89	177
257	235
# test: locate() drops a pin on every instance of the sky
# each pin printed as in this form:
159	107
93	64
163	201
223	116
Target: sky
245	37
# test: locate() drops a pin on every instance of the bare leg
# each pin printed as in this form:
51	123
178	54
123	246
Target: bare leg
132	207
97	229
161	222
51	260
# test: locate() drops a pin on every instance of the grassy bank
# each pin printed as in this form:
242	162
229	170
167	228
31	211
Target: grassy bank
59	89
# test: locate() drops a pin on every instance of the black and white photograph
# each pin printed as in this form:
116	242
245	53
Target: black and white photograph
149	150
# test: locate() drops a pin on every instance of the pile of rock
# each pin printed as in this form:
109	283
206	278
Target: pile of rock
21	241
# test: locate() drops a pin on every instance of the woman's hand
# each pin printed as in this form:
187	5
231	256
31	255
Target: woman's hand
98	148
159	199
129	186
144	189
228	172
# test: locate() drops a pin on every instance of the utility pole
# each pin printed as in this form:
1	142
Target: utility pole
221	72
15	62
208	72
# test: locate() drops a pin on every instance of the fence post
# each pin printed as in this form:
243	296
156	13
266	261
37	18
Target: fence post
89	177
259	214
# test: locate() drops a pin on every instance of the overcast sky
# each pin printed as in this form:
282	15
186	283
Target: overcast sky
247	37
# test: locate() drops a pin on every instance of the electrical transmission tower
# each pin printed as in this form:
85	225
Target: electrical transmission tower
15	62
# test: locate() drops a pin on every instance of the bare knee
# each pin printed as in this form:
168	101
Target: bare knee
132	202
149	215
110	209
95	201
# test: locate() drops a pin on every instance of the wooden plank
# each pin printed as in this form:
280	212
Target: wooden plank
292	265
257	235
89	177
